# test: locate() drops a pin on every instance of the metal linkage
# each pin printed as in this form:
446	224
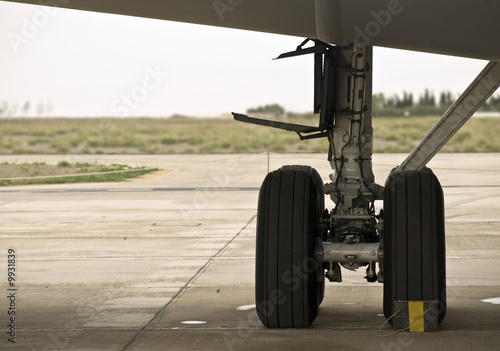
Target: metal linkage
353	240
467	104
350	256
353	188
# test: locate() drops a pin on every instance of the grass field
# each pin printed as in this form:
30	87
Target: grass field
207	136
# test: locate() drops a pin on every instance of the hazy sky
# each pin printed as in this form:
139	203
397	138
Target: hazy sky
90	64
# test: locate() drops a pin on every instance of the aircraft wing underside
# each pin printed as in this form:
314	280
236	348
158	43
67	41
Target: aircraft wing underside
466	28
295	17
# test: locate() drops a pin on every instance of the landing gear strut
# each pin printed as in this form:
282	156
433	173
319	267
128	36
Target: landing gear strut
299	242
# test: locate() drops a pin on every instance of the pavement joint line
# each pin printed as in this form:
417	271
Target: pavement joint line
351	328
472	186
170	258
116	237
159	328
173	258
187	285
447	168
28	190
473	258
127	190
44	330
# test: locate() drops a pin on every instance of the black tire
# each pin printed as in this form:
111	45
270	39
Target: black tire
414	240
288	278
321	210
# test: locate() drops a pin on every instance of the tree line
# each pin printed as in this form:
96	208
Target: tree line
405	104
397	105
16	109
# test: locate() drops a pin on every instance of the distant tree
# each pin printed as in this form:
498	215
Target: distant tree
445	98
432	100
427	99
274	109
3	108
492	104
442	99
12	110
407	100
495	102
40	109
26	107
378	101
393	101
399	101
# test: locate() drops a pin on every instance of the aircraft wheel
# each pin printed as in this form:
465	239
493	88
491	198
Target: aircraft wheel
321	287
414	241
288	278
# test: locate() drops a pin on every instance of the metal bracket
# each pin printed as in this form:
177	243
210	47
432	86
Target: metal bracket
291	127
318	48
324	85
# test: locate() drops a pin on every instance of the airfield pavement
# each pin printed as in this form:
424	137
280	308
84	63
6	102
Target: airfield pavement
166	262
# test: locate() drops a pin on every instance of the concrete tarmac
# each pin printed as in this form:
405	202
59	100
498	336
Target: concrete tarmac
166	262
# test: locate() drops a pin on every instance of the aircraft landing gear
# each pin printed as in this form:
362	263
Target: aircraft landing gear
296	240
299	242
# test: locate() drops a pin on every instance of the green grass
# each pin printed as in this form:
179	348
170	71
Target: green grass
206	136
403	134
66	172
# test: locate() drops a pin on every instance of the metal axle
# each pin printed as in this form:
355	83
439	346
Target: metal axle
346	253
